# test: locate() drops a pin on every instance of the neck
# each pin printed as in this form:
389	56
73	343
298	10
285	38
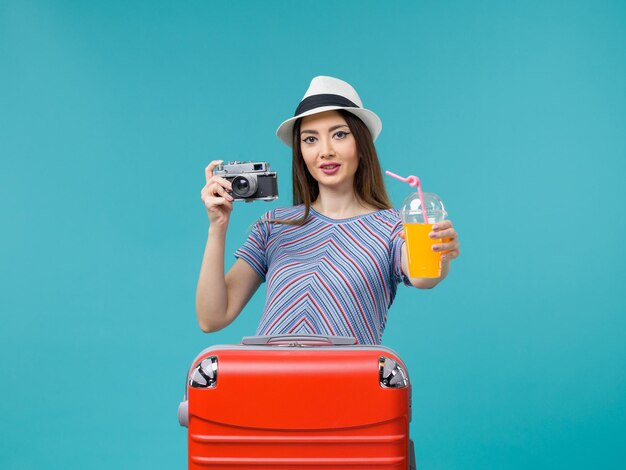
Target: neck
340	205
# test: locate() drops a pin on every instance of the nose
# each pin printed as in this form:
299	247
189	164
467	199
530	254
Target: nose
326	148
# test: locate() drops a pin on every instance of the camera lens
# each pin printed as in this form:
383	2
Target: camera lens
244	186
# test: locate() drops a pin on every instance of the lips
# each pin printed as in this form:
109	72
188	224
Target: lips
330	168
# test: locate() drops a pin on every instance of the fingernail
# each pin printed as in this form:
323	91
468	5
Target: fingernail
432	235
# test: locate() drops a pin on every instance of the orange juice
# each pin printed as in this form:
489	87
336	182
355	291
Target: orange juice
423	261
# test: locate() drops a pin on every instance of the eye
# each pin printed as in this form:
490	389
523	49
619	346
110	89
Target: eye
341	134
309	140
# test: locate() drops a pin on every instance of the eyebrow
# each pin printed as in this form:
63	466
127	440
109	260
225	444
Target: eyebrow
310	131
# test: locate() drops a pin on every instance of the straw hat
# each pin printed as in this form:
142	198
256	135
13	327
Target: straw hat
326	94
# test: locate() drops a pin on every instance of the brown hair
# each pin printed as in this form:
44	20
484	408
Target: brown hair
368	180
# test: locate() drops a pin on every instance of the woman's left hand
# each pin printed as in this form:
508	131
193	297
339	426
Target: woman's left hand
449	249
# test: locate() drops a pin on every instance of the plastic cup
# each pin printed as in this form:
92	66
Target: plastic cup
422	260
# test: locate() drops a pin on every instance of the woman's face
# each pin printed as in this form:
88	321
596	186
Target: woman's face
329	150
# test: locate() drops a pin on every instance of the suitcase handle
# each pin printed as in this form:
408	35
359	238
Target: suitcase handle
296	340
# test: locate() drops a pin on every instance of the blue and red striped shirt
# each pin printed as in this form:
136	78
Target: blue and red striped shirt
330	277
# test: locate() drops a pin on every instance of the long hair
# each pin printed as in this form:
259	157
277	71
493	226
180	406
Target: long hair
369	187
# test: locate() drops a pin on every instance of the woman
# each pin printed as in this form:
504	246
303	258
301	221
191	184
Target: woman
332	261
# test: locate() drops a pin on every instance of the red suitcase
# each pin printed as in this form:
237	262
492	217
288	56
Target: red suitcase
293	402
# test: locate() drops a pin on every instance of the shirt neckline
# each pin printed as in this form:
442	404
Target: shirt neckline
349	219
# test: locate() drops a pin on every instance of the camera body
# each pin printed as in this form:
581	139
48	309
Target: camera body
251	181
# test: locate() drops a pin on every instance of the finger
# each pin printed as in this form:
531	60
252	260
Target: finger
450	256
219	204
213	203
222	182
208	171
206	193
217	190
446	247
445	224
449	233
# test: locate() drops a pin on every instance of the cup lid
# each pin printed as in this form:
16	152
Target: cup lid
432	203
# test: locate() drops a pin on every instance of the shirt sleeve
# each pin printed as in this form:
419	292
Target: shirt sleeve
254	249
396	255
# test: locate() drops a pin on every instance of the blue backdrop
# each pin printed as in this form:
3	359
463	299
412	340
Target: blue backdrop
513	112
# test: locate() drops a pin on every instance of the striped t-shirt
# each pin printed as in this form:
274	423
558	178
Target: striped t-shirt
330	277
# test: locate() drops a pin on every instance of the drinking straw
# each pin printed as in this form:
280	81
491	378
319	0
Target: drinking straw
414	182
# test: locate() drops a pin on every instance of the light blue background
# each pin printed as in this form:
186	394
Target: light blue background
514	112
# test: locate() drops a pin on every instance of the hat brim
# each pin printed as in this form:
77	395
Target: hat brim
369	118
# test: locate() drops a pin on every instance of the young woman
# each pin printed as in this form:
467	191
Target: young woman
331	262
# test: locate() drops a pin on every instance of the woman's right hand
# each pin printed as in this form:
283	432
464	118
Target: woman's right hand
218	202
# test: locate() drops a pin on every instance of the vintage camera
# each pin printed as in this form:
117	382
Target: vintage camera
250	181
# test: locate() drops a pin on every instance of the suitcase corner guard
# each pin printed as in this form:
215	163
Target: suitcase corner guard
204	374
392	374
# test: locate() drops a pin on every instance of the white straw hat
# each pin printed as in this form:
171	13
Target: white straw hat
326	94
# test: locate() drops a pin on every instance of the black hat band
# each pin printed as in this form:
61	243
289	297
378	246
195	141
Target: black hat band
318	101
